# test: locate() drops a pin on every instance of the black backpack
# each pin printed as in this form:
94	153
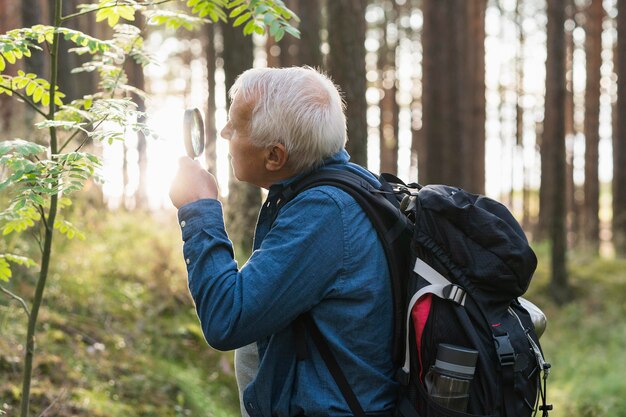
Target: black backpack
458	263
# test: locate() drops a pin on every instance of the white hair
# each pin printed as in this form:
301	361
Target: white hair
298	107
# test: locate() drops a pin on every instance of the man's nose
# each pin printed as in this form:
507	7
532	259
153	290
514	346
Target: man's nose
226	132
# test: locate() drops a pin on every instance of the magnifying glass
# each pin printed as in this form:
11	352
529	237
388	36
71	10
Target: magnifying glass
193	128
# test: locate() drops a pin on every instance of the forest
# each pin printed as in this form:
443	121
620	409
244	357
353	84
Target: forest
519	100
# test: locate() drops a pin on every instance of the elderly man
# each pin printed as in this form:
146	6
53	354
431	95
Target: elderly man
319	254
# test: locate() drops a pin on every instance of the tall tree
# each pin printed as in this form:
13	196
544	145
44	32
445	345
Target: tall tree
454	93
593	48
309	52
244	199
79	84
619	138
9	19
389	108
346	64
31	16
553	147
210	127
572	209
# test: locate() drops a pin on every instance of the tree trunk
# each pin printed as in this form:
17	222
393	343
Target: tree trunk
454	93
346	63
244	199
554	149
136	78
309	52
75	85
519	113
31	16
570	135
389	108
210	128
593	48
9	19
619	139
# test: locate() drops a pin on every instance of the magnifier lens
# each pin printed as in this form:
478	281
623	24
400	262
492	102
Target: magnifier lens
194	133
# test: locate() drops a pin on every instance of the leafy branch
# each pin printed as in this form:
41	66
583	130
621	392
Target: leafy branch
5	270
260	14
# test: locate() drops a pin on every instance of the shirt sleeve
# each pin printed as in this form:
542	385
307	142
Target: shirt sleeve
299	262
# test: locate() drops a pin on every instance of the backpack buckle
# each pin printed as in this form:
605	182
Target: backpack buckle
505	350
455	294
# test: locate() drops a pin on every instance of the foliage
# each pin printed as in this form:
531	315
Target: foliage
39	179
120	327
584	340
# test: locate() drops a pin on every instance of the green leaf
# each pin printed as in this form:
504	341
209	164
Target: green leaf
292	31
237	11
5	270
19	260
21	147
280	33
30	88
38	94
249	28
241	19
9	56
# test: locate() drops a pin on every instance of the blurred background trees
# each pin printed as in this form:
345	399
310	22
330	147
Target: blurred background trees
518	99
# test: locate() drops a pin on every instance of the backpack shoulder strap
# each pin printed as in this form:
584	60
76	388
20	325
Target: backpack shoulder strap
382	208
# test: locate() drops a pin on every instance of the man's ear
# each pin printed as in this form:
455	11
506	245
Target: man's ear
276	157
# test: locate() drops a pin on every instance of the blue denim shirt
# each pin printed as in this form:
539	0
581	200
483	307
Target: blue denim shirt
320	255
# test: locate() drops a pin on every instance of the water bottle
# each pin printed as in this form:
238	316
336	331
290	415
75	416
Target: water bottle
448	382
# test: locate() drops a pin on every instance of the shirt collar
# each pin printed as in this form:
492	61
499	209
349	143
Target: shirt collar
340	158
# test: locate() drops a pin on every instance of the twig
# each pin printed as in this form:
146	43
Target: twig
27	101
16	298
63	393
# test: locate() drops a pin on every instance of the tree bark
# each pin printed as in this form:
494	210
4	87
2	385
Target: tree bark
9	19
389	109
454	93
554	149
210	127
136	78
593	48
244	199
309	52
619	139
346	63
75	85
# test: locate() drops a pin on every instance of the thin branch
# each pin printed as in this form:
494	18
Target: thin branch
43	215
27	101
63	394
36	234
16	298
67	142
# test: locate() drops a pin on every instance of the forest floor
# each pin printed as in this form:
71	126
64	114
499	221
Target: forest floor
118	334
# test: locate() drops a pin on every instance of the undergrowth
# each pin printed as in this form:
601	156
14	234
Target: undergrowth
119	335
585	338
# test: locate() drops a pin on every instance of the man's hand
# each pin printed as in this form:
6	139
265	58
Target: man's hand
192	183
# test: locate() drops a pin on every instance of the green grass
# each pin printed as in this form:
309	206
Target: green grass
586	339
118	335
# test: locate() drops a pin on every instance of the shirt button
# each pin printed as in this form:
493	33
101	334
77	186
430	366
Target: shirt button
251	406
188	261
183	223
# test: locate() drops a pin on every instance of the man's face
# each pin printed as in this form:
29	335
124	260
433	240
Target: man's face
247	159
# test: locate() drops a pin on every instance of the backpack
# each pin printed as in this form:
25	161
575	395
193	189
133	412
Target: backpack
458	263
